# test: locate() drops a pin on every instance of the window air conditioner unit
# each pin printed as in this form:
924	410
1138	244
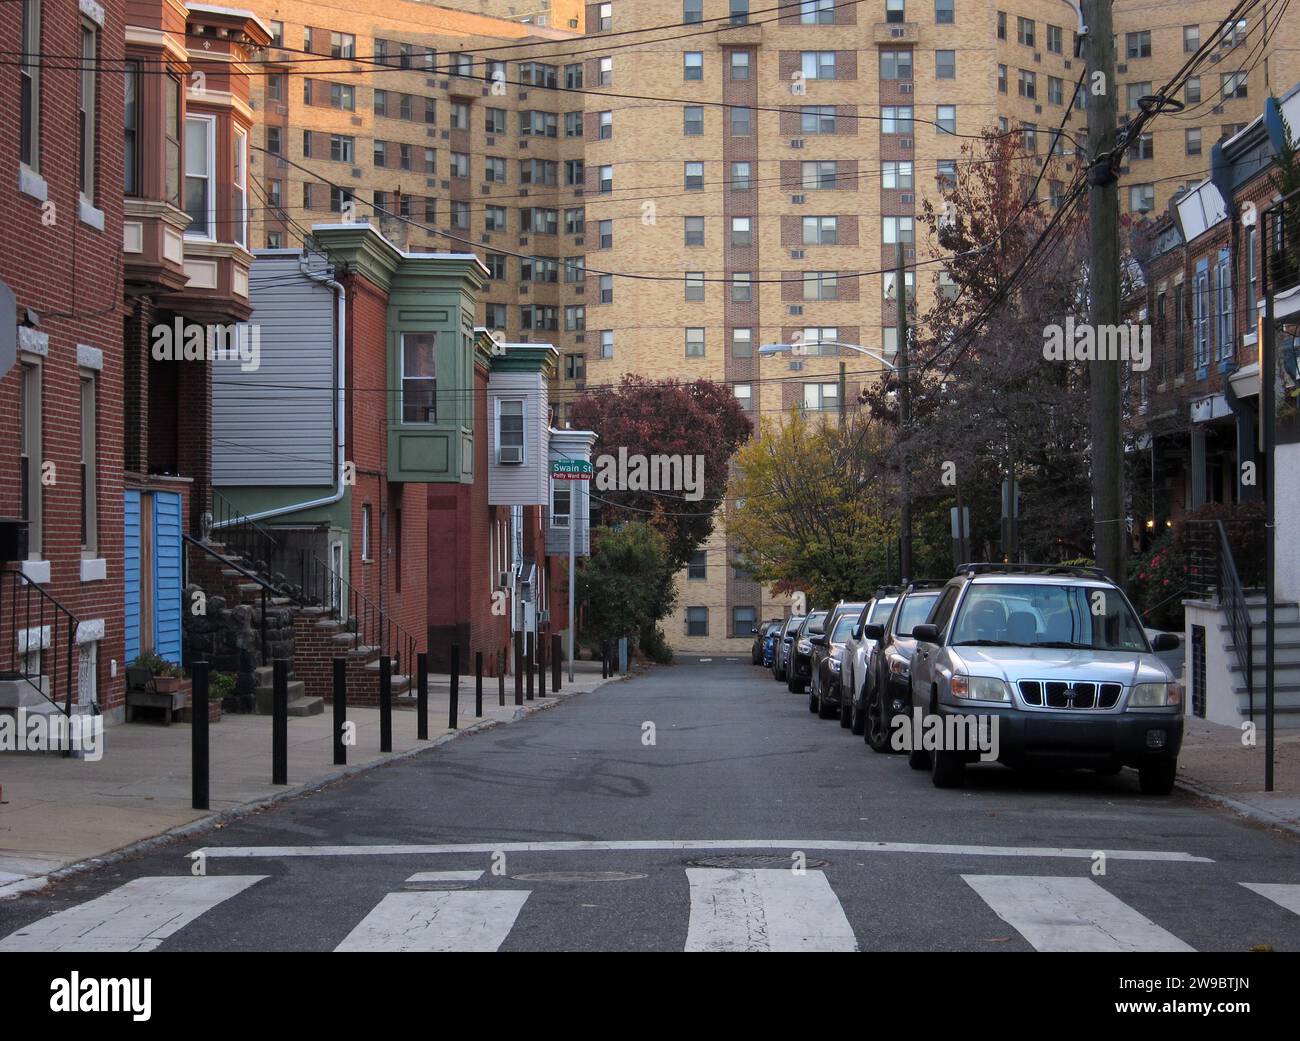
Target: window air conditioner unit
798	200
796	366
897	32
905	88
1121	67
796	142
796	254
907	198
1217	110
511	454
578	240
796	308
906	144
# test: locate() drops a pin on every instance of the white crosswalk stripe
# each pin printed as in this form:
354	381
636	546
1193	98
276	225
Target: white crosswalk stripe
765	909
137	916
1287	896
467	920
1070	914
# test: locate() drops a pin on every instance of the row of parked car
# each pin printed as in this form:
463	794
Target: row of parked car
1054	658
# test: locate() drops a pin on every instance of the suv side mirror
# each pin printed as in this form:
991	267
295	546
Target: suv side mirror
1166	642
873	631
926	633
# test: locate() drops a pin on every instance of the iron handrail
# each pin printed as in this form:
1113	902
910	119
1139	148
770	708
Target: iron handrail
1217	576
250	539
16	654
369	623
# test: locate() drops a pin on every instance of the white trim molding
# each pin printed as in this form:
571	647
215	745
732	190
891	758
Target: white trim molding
94	569
37	571
33	341
33	184
90	357
93	11
90	631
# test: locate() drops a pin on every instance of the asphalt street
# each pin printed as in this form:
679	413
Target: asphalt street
746	823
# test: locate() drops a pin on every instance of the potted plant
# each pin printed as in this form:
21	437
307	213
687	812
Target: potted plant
221	692
167	678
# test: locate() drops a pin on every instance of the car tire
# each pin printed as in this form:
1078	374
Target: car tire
1158	778
918	759
812	704
857	719
947	769
825	710
846	711
876	729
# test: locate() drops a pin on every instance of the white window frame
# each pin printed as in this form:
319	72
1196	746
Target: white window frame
88	110
210	175
31	24
239	182
523	429
403	377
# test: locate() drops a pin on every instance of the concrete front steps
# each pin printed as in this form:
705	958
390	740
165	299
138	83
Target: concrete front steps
1286	665
299	703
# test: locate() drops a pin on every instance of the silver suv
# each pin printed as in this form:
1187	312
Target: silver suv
1059	661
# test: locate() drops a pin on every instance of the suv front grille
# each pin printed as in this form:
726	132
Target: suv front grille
1062	694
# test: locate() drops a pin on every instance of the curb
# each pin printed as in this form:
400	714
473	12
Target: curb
247	809
1242	809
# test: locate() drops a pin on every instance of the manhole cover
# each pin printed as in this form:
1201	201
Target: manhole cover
744	860
579	876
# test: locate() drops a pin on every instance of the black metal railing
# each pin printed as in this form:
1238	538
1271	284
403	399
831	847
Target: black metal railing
372	626
38	640
1212	574
242	536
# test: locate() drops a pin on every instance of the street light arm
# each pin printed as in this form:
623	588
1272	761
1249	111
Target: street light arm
870	352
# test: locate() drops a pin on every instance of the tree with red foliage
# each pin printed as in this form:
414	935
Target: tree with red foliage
666	417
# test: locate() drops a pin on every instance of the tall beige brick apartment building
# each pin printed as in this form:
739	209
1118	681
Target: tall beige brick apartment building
741	157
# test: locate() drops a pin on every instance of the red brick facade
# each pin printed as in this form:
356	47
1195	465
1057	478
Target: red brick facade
67	271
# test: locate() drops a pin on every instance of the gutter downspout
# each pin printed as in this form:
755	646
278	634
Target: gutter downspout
340	411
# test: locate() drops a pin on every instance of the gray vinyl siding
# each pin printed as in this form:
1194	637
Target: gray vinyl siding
529	484
275	426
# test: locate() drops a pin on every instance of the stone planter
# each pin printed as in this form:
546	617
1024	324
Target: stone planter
171	684
214	712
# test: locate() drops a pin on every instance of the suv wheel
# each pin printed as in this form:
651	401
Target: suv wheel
846	711
918	759
825	710
1158	778
812	703
947	769
857	718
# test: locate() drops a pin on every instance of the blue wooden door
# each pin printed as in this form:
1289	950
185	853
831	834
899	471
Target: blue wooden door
167	575
131	552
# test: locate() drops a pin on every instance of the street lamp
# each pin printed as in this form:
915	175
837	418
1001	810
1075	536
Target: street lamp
799	348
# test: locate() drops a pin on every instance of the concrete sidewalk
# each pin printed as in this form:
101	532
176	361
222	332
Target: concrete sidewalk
1218	766
59	811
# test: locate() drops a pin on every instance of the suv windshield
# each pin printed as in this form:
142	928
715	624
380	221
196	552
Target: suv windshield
1044	615
914	612
880	610
813	619
793	624
843	627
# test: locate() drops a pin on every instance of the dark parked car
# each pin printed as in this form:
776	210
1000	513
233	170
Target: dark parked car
781	648
770	641
889	687
859	658
798	670
760	638
826	658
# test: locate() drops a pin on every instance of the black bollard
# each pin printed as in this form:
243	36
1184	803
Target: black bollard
528	660
501	679
340	710
385	703
519	668
478	684
556	656
199	736
280	722
604	659
422	698
541	668
453	705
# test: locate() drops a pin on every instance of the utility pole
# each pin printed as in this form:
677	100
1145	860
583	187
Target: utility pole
843	392
904	418
1104	377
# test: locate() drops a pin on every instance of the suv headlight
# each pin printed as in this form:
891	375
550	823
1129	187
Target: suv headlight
836	664
979	688
1156	695
805	647
898	666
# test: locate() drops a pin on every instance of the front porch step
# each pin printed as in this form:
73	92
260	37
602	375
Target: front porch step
265	675
307	707
266	697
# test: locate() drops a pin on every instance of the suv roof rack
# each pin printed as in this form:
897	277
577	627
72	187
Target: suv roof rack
925	583
985	567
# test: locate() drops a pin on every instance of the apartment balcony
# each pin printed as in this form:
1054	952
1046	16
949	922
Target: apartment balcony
895	33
